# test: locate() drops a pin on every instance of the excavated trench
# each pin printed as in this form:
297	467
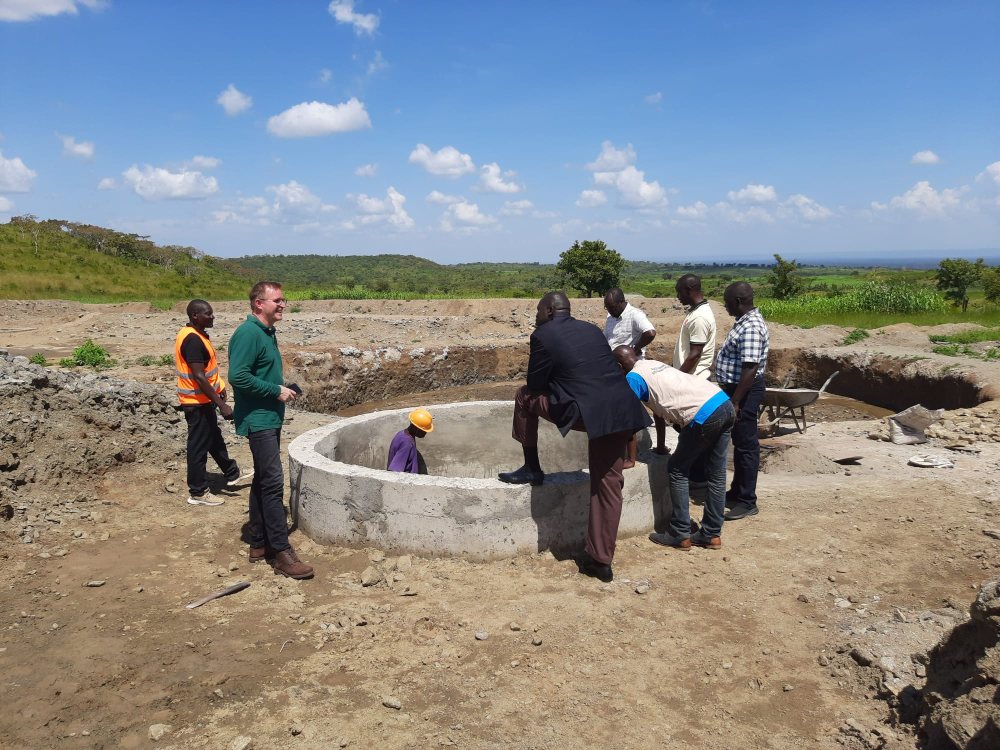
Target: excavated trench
335	381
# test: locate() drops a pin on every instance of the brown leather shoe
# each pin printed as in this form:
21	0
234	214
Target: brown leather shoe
260	554
287	563
706	542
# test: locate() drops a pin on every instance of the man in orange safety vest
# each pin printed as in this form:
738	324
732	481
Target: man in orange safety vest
201	390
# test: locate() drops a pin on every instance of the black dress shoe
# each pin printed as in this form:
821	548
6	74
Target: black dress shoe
739	511
594	569
524	475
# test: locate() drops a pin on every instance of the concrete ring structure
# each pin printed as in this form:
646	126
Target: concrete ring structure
342	495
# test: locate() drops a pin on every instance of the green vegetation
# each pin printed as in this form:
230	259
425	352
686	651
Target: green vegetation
858	334
591	266
955	276
973	336
961	350
88	354
38	359
63	260
785	280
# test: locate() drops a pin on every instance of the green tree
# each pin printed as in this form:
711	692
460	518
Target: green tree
784	279
591	266
955	276
990	280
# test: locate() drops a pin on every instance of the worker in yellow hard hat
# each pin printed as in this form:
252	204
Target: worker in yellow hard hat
403	453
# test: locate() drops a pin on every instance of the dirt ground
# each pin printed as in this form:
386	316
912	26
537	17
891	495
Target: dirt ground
807	629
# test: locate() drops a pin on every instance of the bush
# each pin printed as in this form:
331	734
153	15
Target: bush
88	354
858	334
37	359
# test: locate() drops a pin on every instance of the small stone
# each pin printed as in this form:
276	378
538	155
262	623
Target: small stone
233	567
536	641
158	731
94	584
371	576
376	556
343	742
482	635
824	660
788	688
295	730
404	562
841	603
515	627
408	591
391	701
241	743
642	588
727	665
992	533
803	598
218	693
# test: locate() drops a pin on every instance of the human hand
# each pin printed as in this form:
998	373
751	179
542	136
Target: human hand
286	395
628	463
226	411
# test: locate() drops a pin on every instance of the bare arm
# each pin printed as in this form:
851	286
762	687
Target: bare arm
198	373
661	435
692	359
645	340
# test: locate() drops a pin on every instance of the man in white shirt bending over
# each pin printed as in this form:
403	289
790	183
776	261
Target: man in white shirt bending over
626	325
695	350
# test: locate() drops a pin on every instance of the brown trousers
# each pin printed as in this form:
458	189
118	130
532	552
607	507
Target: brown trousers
605	455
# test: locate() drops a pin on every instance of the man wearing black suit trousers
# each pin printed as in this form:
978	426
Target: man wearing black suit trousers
575	383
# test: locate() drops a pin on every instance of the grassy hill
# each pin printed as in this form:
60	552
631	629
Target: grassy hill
62	260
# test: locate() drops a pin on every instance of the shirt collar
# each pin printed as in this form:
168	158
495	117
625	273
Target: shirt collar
269	330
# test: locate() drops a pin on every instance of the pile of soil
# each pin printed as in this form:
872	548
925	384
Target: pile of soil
789	458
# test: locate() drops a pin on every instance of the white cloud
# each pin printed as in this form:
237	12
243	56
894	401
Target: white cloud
654	98
516	208
491	180
922	199
750	215
465	216
366	170
992	172
804	207
377	64
157	183
108	183
291	203
203	162
632	187
363	23
925	157
234	101
591	199
15	177
325	75
389	210
612	159
436	196
697	211
6	205
754	194
81	150
318	118
29	10
448	162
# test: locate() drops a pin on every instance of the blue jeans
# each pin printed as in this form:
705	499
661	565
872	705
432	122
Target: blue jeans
746	446
268	522
710	442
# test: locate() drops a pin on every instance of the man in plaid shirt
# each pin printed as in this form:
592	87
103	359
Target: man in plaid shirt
739	369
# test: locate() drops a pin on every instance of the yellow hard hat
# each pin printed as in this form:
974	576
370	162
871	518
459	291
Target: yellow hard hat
422	420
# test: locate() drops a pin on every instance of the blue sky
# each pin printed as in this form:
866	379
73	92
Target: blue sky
464	131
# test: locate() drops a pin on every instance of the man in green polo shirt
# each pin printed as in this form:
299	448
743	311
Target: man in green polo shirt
256	378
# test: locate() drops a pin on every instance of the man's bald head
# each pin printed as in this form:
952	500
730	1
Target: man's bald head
688	289
550	306
738	298
625	356
614	302
196	306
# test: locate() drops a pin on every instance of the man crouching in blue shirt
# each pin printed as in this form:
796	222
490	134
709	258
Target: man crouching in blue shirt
703	416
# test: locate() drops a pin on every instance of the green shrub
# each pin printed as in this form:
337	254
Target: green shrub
37	359
146	360
858	334
88	354
968	337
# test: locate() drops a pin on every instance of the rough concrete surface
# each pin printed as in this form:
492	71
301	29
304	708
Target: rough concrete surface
820	623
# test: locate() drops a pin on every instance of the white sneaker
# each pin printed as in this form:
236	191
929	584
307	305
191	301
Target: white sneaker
207	499
243	478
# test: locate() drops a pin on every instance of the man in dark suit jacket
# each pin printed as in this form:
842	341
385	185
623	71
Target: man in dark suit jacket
575	383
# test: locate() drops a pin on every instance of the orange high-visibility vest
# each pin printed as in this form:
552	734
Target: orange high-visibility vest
187	387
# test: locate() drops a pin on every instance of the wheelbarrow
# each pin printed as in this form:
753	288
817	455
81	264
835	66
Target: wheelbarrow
790	403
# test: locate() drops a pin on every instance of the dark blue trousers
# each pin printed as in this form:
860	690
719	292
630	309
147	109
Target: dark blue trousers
746	447
268	521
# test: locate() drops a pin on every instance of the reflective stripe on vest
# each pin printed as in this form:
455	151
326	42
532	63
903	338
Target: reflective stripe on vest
188	391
